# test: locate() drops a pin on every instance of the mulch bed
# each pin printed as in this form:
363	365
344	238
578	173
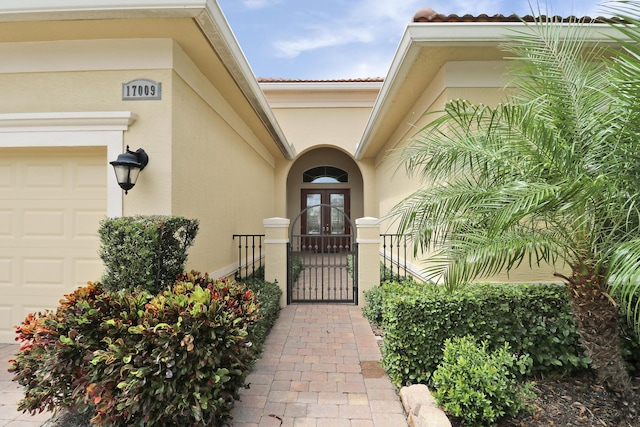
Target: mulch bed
579	402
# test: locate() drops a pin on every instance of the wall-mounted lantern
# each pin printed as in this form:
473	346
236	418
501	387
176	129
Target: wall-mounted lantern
128	166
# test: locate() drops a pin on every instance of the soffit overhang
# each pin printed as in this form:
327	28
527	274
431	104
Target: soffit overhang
198	26
423	50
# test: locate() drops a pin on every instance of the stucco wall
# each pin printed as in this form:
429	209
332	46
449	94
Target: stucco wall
394	184
312	127
218	178
35	90
205	162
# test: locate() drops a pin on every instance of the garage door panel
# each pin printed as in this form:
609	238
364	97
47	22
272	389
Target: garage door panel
87	270
53	200
44	176
89	177
7	314
44	223
86	223
7	173
65	224
6	223
6	271
54	195
38	272
32	246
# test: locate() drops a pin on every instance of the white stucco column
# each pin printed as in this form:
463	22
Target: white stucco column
276	239
368	238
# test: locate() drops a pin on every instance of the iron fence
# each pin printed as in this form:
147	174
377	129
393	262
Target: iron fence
250	256
393	264
394	258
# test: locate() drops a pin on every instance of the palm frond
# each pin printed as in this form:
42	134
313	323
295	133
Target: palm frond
552	173
474	256
624	280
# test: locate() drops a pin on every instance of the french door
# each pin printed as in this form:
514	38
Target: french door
325	222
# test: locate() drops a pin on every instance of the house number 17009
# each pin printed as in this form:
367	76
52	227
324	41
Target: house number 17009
141	89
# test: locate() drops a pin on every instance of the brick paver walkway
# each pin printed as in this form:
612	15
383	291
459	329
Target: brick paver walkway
319	368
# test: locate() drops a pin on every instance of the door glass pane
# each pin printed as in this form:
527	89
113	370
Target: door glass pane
337	215
314	225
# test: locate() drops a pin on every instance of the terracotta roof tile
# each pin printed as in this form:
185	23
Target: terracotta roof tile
429	15
284	80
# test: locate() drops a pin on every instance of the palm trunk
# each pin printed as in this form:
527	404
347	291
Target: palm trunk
597	320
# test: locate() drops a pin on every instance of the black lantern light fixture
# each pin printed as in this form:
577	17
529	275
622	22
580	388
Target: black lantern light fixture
128	166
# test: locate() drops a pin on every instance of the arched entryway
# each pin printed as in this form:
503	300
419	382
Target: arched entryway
324	193
325	162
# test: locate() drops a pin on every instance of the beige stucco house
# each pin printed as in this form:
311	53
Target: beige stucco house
223	147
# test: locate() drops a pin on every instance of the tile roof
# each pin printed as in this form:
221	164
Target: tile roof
429	15
284	80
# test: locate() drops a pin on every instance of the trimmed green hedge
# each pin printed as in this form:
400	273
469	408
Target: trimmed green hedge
418	318
268	296
144	251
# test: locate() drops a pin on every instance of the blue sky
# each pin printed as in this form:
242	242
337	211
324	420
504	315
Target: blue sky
347	39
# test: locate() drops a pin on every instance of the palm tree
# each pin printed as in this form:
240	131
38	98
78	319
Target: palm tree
549	176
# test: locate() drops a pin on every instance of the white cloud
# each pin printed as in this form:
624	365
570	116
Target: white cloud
322	37
259	4
365	21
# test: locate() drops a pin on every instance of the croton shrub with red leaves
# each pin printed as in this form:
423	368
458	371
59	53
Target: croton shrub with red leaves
55	348
137	359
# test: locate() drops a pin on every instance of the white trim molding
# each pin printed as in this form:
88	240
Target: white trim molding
72	129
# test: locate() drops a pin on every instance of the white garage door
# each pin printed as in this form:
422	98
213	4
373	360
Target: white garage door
51	203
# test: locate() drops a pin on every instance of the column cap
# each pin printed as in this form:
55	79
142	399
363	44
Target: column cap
368	222
276	222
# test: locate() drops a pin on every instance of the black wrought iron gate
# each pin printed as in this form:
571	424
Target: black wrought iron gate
322	260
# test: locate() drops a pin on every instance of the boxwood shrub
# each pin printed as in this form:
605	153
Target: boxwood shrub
534	319
144	251
479	386
135	359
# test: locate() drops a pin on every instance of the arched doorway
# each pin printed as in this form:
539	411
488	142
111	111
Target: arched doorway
324	193
310	172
